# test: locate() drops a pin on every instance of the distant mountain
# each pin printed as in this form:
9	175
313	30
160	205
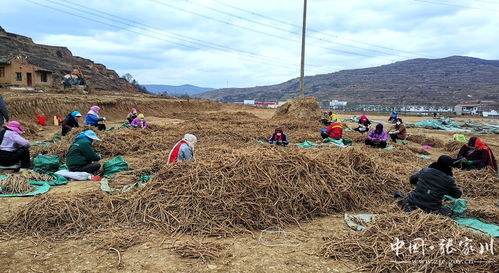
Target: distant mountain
180	90
444	81
61	61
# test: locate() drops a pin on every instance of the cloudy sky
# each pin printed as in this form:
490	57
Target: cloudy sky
242	43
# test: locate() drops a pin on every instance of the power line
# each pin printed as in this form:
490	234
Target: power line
317	31
258	31
243	55
456	5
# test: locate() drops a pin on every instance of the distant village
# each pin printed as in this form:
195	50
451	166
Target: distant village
461	109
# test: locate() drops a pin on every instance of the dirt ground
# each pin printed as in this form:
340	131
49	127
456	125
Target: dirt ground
154	252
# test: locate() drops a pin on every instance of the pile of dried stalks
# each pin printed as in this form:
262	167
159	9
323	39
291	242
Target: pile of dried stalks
375	248
303	109
478	183
424	140
16	184
38	176
453	146
418	150
204	251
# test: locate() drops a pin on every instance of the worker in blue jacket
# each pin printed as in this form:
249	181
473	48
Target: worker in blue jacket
92	118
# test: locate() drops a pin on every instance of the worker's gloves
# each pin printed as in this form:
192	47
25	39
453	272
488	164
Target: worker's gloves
104	118
469	162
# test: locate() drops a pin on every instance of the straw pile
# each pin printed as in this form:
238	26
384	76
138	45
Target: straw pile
303	109
204	251
16	184
372	248
453	146
478	183
418	150
424	140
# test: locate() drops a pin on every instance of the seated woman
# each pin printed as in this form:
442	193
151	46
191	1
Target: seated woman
398	131
364	124
70	121
432	184
92	118
279	138
377	137
183	150
334	131
139	122
326	119
476	155
132	115
13	147
81	156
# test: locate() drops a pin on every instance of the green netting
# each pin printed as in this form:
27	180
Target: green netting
306	144
46	163
478	226
115	165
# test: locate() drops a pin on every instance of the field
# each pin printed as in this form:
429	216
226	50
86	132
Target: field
208	215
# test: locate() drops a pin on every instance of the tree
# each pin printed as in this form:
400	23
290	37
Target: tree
128	77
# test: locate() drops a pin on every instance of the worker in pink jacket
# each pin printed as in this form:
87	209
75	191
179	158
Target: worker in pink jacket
139	122
13	147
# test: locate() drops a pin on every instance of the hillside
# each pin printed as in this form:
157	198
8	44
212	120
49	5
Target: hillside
419	81
61	60
180	89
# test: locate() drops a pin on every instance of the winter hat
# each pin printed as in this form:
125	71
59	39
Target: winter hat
14	126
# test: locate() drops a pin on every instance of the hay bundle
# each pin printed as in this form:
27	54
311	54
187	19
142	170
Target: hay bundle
418	150
424	140
38	176
204	251
453	146
16	184
303	109
375	248
355	136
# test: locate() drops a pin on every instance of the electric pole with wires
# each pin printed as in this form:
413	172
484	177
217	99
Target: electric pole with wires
302	72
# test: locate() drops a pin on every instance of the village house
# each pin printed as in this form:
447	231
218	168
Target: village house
467	109
17	71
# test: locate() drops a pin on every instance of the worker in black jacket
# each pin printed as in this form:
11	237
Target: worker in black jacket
70	121
4	113
432	184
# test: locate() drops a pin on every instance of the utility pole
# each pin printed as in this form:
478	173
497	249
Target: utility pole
303	32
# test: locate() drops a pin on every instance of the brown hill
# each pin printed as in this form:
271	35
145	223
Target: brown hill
444	81
61	60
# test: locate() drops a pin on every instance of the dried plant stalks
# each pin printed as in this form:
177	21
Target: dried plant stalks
14	184
424	140
375	247
205	251
34	176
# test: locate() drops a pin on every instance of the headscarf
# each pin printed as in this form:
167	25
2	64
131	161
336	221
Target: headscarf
334	118
443	164
95	108
75	114
191	140
379	128
14	126
133	111
363	118
278	130
141	116
478	144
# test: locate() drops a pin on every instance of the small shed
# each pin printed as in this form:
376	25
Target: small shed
17	71
467	109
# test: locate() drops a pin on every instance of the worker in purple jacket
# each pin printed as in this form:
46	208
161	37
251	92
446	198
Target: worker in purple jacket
13	147
139	122
377	137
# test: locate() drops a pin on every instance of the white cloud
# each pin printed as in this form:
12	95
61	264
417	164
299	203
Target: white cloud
182	46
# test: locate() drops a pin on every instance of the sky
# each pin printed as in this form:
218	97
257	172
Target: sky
236	43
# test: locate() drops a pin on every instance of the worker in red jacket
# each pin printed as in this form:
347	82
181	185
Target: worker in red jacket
334	131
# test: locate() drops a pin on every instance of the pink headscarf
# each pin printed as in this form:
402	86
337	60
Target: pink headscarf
15	126
96	109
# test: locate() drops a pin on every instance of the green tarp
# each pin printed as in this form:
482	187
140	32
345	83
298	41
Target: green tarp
306	144
40	187
478	226
104	185
115	165
46	163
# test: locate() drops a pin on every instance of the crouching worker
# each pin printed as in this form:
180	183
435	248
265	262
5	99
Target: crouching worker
334	131
326	119
70	121
139	122
377	137
13	147
432	184
364	124
92	118
476	155
398	131
279	138
132	115
183	150
81	156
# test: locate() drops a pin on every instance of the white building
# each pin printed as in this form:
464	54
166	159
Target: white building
467	109
249	102
491	114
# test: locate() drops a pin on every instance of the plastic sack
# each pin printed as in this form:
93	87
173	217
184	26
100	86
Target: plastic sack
41	120
459	137
115	165
57	120
46	163
81	176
